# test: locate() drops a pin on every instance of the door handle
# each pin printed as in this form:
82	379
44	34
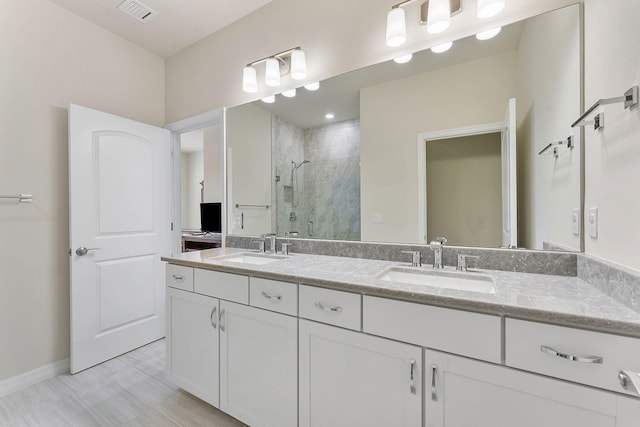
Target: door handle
412	376
221	320
82	251
213	317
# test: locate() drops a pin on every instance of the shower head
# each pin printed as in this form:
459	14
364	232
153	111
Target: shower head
297	165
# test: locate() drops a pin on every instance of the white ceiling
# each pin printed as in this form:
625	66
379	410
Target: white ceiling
179	23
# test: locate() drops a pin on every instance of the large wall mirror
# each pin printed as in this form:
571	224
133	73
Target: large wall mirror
420	149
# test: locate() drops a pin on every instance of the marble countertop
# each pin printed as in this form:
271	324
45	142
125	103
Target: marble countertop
562	300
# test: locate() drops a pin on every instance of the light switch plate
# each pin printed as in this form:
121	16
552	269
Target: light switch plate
575	221
592	222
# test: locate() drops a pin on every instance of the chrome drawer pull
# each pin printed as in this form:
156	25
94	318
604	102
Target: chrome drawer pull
580	359
213	317
327	308
272	298
630	381
434	393
412	382
178	277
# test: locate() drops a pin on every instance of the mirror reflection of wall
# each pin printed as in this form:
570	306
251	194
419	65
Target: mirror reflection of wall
201	173
536	61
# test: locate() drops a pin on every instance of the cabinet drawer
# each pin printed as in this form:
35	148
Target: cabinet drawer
454	331
180	277
329	306
591	358
274	295
232	287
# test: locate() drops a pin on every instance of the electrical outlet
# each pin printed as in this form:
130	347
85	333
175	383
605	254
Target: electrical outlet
593	223
575	221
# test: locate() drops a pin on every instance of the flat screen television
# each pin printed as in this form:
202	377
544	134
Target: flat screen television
211	217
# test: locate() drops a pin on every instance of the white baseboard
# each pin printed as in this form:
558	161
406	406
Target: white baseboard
30	378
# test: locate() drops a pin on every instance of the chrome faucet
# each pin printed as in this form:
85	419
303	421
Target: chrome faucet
416	261
437	246
272	242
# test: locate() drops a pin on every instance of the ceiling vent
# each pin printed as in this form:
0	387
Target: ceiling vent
137	10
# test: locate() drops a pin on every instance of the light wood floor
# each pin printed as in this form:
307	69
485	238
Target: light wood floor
130	390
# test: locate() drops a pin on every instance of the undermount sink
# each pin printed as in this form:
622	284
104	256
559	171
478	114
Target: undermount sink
463	281
251	258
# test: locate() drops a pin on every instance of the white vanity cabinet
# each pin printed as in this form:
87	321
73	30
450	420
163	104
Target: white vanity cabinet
258	365
461	392
350	379
192	343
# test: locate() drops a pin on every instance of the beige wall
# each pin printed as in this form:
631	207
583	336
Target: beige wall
394	113
249	175
548	102
192	174
338	36
51	58
464	197
612	65
213	163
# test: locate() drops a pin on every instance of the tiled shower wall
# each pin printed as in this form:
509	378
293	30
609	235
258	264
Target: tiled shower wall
322	198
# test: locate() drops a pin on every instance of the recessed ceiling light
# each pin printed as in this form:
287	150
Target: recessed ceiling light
329	116
489	34
269	99
312	86
289	93
442	47
403	59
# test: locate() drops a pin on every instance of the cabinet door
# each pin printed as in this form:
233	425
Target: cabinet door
350	379
258	365
465	392
192	344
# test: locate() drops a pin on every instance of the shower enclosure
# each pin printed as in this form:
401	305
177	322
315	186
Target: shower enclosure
316	185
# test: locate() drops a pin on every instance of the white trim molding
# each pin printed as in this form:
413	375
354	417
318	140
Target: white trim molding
422	164
22	381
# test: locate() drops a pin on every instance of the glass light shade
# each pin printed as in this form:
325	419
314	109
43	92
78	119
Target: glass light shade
489	8
298	65
403	59
289	93
249	80
269	99
396	27
489	34
439	16
442	47
272	72
312	86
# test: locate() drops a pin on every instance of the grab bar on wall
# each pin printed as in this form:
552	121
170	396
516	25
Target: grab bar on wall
22	198
630	98
253	206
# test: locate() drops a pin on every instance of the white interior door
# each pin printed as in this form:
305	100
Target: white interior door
509	201
119	224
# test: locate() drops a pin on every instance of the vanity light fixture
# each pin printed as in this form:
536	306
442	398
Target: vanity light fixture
442	47
291	61
329	116
435	14
269	99
403	59
489	8
312	86
289	93
489	34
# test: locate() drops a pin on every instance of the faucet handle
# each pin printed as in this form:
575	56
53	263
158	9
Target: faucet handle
260	243
442	240
416	260
462	261
285	248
